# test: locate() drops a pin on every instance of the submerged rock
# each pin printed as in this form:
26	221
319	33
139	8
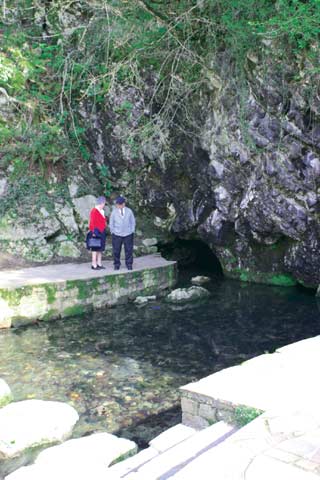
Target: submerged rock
30	425
5	393
181	295
81	458
141	300
200	280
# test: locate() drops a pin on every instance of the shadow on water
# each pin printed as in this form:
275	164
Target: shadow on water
121	368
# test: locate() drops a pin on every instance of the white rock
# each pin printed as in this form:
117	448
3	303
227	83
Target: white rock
149	242
5	392
83	206
142	300
81	459
73	187
33	423
200	280
66	217
187	294
3	186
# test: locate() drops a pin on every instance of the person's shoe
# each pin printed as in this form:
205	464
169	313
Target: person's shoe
101	267
129	268
116	268
94	268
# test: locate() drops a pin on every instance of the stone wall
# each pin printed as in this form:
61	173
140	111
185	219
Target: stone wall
23	305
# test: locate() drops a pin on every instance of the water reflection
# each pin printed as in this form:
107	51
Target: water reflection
121	368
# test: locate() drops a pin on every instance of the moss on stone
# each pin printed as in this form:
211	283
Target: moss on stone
283	280
246	275
13	296
122	282
74	311
6	399
50	315
51	291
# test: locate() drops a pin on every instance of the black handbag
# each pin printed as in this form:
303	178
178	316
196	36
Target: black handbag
94	242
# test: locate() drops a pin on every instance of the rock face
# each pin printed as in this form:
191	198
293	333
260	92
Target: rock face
82	458
30	425
5	393
181	295
248	186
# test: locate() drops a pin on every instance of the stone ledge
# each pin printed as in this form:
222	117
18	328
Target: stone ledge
46	293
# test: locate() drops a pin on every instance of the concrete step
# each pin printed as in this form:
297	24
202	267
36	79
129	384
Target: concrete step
172	437
168	439
132	464
168	463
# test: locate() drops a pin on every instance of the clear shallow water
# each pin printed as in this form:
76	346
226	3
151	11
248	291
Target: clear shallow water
121	368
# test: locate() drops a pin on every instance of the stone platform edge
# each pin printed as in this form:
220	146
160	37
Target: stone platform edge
47	301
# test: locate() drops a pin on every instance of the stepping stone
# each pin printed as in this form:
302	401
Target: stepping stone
29	426
171	437
5	393
181	295
200	280
165	464
81	459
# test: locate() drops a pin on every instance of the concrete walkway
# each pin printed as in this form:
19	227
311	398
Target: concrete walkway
72	271
284	442
49	292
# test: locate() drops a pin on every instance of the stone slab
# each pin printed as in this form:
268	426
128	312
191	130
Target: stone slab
262	450
81	458
133	464
171	437
29	425
49	292
286	377
164	465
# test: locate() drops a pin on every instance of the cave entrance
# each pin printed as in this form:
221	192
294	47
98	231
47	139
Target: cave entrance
193	255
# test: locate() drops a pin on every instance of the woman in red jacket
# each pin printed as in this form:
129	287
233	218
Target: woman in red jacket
97	227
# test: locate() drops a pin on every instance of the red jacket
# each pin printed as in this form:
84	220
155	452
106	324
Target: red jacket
97	220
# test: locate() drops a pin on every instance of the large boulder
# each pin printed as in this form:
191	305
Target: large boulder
181	295
5	392
83	206
29	426
66	217
81	459
68	249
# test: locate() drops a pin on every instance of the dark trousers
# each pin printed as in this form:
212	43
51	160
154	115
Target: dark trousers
117	242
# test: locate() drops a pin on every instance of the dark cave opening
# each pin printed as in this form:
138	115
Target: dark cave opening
191	254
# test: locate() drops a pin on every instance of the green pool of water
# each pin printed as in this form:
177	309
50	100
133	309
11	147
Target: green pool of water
121	368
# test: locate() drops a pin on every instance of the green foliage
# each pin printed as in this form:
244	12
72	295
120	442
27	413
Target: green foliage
104	177
244	415
59	54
